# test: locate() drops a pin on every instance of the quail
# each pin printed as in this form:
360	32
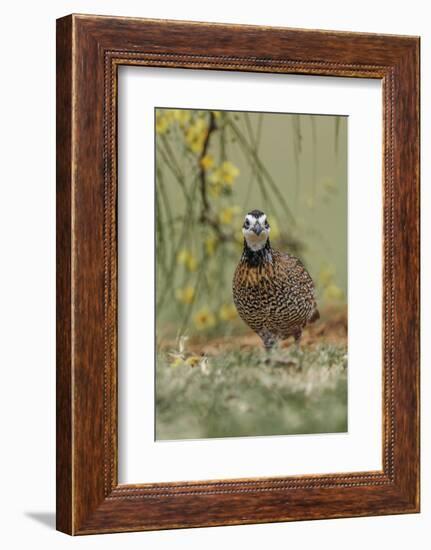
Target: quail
272	290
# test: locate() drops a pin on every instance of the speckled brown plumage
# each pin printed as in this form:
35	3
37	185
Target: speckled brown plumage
274	294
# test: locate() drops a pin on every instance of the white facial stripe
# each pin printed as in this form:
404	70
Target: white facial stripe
252	220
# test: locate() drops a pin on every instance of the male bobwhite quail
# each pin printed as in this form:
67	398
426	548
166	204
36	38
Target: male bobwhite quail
272	290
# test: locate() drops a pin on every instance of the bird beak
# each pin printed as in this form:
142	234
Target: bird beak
257	228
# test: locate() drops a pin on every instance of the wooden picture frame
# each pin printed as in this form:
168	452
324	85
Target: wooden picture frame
89	51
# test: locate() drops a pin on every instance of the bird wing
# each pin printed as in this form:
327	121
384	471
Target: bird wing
297	271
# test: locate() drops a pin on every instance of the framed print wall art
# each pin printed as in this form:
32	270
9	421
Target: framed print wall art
237	274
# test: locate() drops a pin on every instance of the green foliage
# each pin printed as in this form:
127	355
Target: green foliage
237	394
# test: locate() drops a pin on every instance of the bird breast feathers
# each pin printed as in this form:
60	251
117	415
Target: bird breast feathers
283	268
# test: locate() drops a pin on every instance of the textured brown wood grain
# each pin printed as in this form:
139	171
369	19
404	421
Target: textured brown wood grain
63	289
89	51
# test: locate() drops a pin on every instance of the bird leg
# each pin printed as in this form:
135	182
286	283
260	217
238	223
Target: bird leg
269	341
297	335
272	352
298	352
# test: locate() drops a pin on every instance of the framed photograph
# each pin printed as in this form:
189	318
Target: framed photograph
237	274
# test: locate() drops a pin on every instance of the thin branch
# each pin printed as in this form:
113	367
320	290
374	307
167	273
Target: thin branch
203	186
206	216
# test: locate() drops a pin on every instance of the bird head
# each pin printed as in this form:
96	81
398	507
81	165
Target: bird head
256	230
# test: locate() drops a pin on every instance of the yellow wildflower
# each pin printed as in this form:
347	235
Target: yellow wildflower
207	162
226	174
211	245
182	116
177	361
193	360
204	319
229	172
227	215
162	123
185	295
182	256
185	257
215	178
196	135
228	312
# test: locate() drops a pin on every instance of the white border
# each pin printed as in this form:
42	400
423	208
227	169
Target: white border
141	459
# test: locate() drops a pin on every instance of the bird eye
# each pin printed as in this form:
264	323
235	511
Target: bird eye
246	224
266	224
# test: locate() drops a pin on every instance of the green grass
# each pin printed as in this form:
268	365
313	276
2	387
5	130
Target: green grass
237	394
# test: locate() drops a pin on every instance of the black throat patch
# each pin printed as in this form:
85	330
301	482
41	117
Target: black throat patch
255	258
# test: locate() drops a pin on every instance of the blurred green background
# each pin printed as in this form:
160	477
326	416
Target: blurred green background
212	167
293	167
